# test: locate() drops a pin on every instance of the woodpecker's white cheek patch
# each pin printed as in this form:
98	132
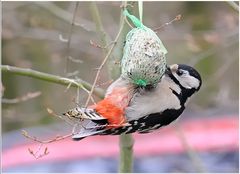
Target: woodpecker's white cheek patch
187	81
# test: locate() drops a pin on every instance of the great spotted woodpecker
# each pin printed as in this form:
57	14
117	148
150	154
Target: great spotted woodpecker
128	108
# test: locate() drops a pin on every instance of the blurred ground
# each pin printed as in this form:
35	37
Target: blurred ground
207	38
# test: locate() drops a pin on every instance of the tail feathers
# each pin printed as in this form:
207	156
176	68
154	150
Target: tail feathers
86	122
84	113
86	128
92	114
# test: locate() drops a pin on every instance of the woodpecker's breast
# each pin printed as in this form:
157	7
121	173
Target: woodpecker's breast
154	101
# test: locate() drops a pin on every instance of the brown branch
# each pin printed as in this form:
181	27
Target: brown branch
70	37
23	98
36	154
57	138
177	18
105	83
234	5
94	44
103	63
196	161
51	78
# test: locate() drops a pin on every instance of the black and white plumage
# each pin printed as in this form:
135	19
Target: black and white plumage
153	107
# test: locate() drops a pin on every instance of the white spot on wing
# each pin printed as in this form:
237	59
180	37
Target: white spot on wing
156	126
142	124
130	128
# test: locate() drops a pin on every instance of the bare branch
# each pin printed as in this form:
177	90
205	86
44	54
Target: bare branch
70	36
105	83
104	37
234	5
23	98
62	39
75	60
94	44
104	40
64	15
36	154
103	63
51	78
196	161
177	18
57	138
51	112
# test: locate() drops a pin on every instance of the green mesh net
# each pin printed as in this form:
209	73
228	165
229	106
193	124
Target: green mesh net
144	60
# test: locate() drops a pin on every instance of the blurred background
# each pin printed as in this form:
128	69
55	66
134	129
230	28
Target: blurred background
34	34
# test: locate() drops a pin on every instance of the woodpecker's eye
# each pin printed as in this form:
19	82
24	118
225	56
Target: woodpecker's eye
179	72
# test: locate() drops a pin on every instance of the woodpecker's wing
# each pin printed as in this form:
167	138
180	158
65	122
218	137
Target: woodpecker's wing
147	123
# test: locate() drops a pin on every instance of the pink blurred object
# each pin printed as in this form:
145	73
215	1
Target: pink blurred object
202	135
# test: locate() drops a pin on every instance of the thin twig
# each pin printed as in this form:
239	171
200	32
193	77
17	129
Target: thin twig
75	60
218	74
88	92
104	37
36	154
94	44
177	18
234	5
57	138
103	63
104	83
70	36
51	112
62	39
51	78
46	152
23	98
99	46
204	55
190	151
64	15
79	85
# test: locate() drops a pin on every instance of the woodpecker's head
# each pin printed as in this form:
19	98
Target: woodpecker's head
185	76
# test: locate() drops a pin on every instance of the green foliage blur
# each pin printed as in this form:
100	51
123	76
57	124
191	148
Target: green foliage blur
33	34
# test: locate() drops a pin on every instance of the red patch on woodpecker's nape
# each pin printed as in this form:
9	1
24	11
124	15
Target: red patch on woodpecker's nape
111	112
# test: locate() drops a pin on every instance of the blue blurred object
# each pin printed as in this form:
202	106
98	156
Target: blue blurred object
226	162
